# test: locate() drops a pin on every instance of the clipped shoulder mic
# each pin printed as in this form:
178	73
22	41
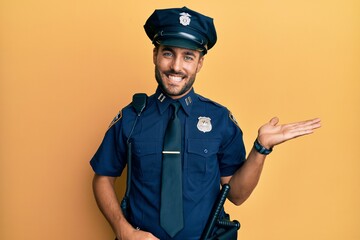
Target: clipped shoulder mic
139	102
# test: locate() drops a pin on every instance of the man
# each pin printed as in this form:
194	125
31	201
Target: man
210	152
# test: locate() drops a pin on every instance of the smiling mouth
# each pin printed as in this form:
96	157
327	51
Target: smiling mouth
175	78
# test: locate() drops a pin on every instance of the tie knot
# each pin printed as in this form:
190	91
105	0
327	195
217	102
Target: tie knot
176	106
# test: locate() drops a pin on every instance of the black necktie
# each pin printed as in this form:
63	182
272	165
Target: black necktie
171	211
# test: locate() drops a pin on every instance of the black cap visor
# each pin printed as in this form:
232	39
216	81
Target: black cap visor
182	40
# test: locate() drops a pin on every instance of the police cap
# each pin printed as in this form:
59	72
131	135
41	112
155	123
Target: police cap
181	27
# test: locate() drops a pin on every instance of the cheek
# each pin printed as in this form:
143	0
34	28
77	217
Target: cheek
193	69
162	65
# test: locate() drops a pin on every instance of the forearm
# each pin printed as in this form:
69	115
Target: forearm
108	203
245	179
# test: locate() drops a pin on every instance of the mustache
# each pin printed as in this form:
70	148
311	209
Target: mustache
172	72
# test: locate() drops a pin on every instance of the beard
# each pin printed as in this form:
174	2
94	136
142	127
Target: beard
172	91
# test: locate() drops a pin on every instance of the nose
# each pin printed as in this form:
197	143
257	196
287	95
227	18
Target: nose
176	64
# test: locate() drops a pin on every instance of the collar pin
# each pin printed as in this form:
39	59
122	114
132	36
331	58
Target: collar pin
161	97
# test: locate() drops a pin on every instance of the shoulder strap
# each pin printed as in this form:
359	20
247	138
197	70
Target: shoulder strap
139	104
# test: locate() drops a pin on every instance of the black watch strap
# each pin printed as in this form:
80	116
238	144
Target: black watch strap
261	149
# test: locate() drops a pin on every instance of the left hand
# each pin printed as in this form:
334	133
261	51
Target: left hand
272	134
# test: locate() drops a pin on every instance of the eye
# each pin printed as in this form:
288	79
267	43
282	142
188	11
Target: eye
188	58
167	54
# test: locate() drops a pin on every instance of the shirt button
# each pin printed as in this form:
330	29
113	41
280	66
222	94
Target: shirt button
205	150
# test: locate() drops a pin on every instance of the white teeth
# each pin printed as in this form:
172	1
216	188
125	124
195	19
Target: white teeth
174	78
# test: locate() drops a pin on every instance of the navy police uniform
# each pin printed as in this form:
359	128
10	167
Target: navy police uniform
212	147
212	144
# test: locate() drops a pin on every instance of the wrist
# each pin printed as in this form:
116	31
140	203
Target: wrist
261	149
123	230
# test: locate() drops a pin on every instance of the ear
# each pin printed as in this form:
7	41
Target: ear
200	64
155	52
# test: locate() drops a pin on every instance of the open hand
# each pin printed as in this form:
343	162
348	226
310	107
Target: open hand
271	134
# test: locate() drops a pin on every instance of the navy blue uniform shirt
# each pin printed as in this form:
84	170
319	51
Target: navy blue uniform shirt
212	147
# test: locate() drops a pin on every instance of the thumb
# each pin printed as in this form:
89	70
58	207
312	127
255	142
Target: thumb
274	121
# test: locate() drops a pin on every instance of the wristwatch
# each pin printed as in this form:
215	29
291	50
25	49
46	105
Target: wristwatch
261	149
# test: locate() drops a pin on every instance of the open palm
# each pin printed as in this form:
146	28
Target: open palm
271	134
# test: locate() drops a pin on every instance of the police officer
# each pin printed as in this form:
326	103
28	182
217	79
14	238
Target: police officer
211	150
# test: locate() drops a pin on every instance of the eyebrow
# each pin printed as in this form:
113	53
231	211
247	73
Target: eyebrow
190	53
167	49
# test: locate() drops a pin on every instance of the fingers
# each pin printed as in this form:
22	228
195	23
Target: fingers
310	122
313	123
304	128
308	126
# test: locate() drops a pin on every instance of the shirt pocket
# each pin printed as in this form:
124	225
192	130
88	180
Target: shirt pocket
147	159
202	162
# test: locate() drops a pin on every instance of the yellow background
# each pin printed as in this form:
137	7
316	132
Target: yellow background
67	67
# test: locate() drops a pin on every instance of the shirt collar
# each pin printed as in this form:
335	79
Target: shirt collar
163	101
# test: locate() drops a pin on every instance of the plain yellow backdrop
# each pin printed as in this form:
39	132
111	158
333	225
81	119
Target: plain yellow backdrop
67	67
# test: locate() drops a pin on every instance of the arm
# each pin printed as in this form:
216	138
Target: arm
104	192
245	179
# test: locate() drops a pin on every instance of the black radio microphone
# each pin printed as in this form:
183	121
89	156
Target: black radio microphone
139	102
